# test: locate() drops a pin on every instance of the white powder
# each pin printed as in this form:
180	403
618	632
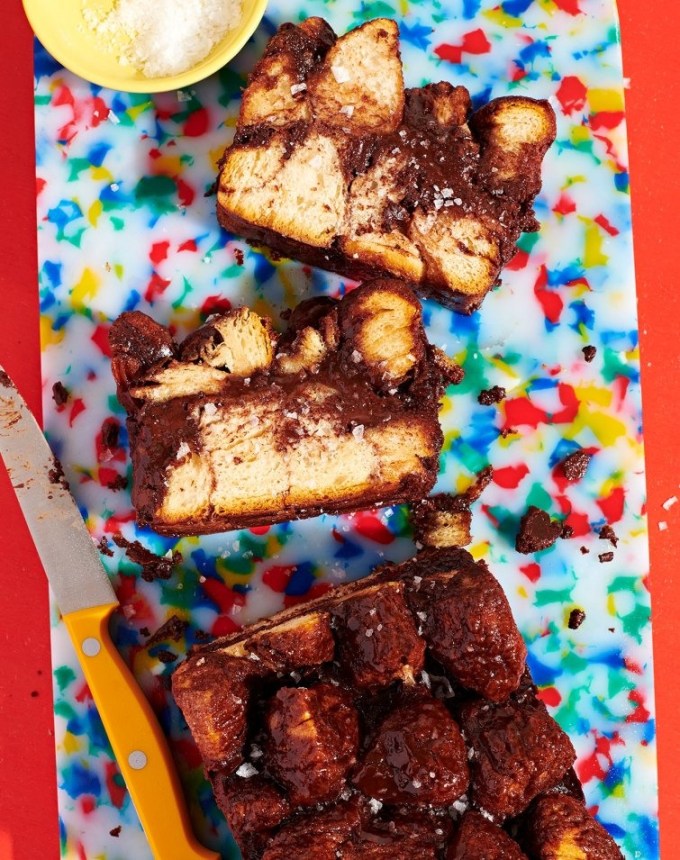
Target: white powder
164	37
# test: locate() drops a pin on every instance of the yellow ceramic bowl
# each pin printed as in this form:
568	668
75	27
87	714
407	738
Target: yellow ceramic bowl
60	26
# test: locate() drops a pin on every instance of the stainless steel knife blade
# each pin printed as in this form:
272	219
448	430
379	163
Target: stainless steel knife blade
66	550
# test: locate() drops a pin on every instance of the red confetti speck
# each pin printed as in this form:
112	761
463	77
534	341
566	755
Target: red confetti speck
278	576
83	694
156	287
259	530
571	94
571	7
612	505
532	571
185	192
189	245
509	477
521	412
474	42
159	252
369	526
76	409
196	124
224	625
87	804
550	697
640	714
564	205
606	119
223	596
100	338
39	185
114	784
550	301
606	225
519	261
215	305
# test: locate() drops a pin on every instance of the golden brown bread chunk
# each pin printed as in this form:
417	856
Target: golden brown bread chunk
336	164
239	426
560	828
376	752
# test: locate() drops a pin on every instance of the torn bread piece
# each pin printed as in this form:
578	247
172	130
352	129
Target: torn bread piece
393	717
445	520
335	163
238	426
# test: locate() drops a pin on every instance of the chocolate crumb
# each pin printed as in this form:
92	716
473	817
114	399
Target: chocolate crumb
166	656
110	432
611	629
116	831
589	352
153	566
576	618
608	533
56	475
202	636
173	629
574	466
584	550
567	531
238	254
145	631
508	431
60	394
120	482
103	547
606	556
536	531
491	395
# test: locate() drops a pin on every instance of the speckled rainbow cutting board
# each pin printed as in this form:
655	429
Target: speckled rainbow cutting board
123	222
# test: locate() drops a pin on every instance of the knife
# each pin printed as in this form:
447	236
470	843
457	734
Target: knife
86	600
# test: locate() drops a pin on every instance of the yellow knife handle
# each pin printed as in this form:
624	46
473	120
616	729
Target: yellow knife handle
136	737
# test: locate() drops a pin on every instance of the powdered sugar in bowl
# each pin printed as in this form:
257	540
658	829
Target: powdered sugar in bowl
144	45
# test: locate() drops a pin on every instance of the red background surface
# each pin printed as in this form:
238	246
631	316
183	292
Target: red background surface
28	811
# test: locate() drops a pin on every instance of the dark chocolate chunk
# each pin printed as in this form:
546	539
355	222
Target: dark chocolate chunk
468	625
491	395
110	433
56	475
313	739
153	566
584	550
519	752
166	656
116	831
145	631
574	465
120	482
576	618
60	394
417	758
536	531
477	838
608	533
567	531
589	352
377	639
173	629
104	548
238	256
606	556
